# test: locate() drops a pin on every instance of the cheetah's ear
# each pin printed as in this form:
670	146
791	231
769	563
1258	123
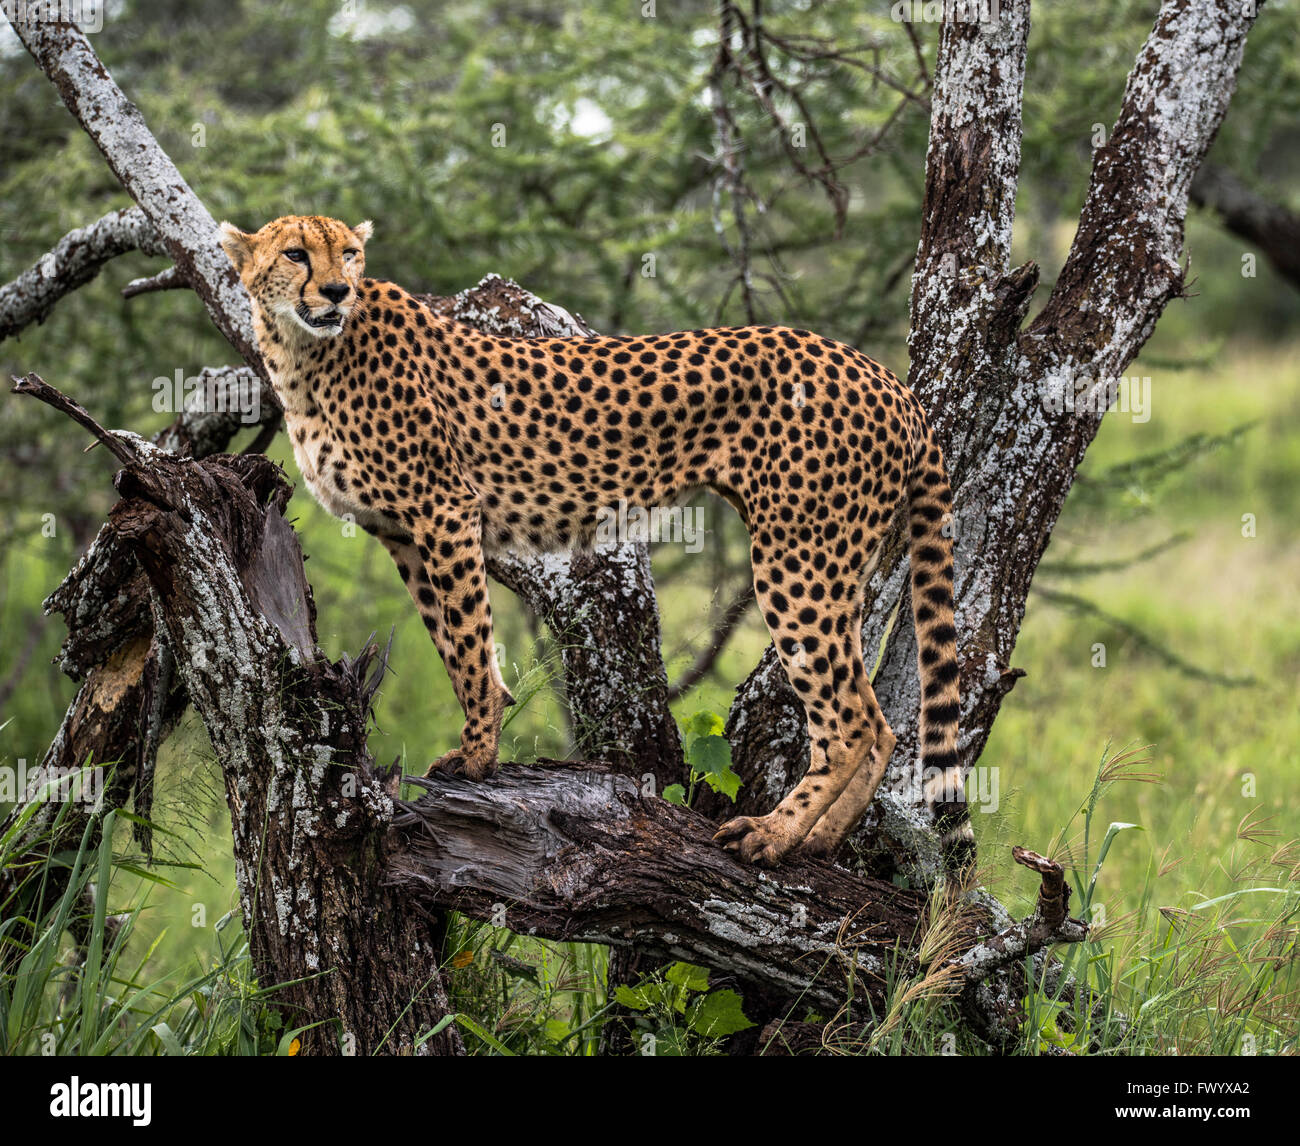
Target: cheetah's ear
237	244
363	231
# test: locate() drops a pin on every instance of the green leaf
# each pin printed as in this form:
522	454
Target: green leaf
151	876
718	1014
688	976
726	782
285	1048
1111	832
556	1031
441	1025
711	754
675	794
636	998
495	1043
166	1036
670	1043
704	724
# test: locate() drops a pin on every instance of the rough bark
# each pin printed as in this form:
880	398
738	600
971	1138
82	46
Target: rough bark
577	852
341	951
73	261
127	703
991	388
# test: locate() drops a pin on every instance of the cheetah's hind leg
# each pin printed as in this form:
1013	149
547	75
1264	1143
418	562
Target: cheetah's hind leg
817	646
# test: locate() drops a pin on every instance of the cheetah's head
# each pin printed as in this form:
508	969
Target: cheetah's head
302	270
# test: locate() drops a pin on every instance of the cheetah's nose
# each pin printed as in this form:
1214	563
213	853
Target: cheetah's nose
335	292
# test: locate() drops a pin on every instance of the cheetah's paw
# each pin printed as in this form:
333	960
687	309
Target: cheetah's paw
755	839
457	762
817	847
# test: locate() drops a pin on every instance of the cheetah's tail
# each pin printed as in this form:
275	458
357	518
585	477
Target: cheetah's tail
930	508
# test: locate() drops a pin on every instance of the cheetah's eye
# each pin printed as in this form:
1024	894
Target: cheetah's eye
296	255
350	254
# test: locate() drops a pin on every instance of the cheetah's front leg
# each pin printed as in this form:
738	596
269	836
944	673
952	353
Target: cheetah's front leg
444	571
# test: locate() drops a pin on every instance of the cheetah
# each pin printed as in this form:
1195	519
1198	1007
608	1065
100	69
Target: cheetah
444	443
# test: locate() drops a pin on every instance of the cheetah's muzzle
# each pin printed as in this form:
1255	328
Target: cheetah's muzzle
324	321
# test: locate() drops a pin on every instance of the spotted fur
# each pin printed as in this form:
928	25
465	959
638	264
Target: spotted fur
443	442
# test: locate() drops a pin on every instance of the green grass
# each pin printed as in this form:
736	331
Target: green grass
89	996
1222	602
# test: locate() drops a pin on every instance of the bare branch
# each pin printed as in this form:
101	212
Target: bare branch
173	278
225	400
148	175
1050	923
1123	266
74	261
119	444
575	852
1273	228
721	633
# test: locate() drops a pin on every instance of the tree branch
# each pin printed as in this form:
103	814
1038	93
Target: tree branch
173	278
74	261
575	852
1273	228
1050	923
718	637
183	224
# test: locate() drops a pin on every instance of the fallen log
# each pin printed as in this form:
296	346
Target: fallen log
578	852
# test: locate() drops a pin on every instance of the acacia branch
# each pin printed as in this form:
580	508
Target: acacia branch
121	446
173	278
718	638
575	852
183	225
74	261
1050	923
1123	266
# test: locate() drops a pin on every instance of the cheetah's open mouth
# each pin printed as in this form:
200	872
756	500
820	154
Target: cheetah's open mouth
327	321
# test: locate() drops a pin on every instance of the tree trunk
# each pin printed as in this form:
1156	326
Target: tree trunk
996	393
